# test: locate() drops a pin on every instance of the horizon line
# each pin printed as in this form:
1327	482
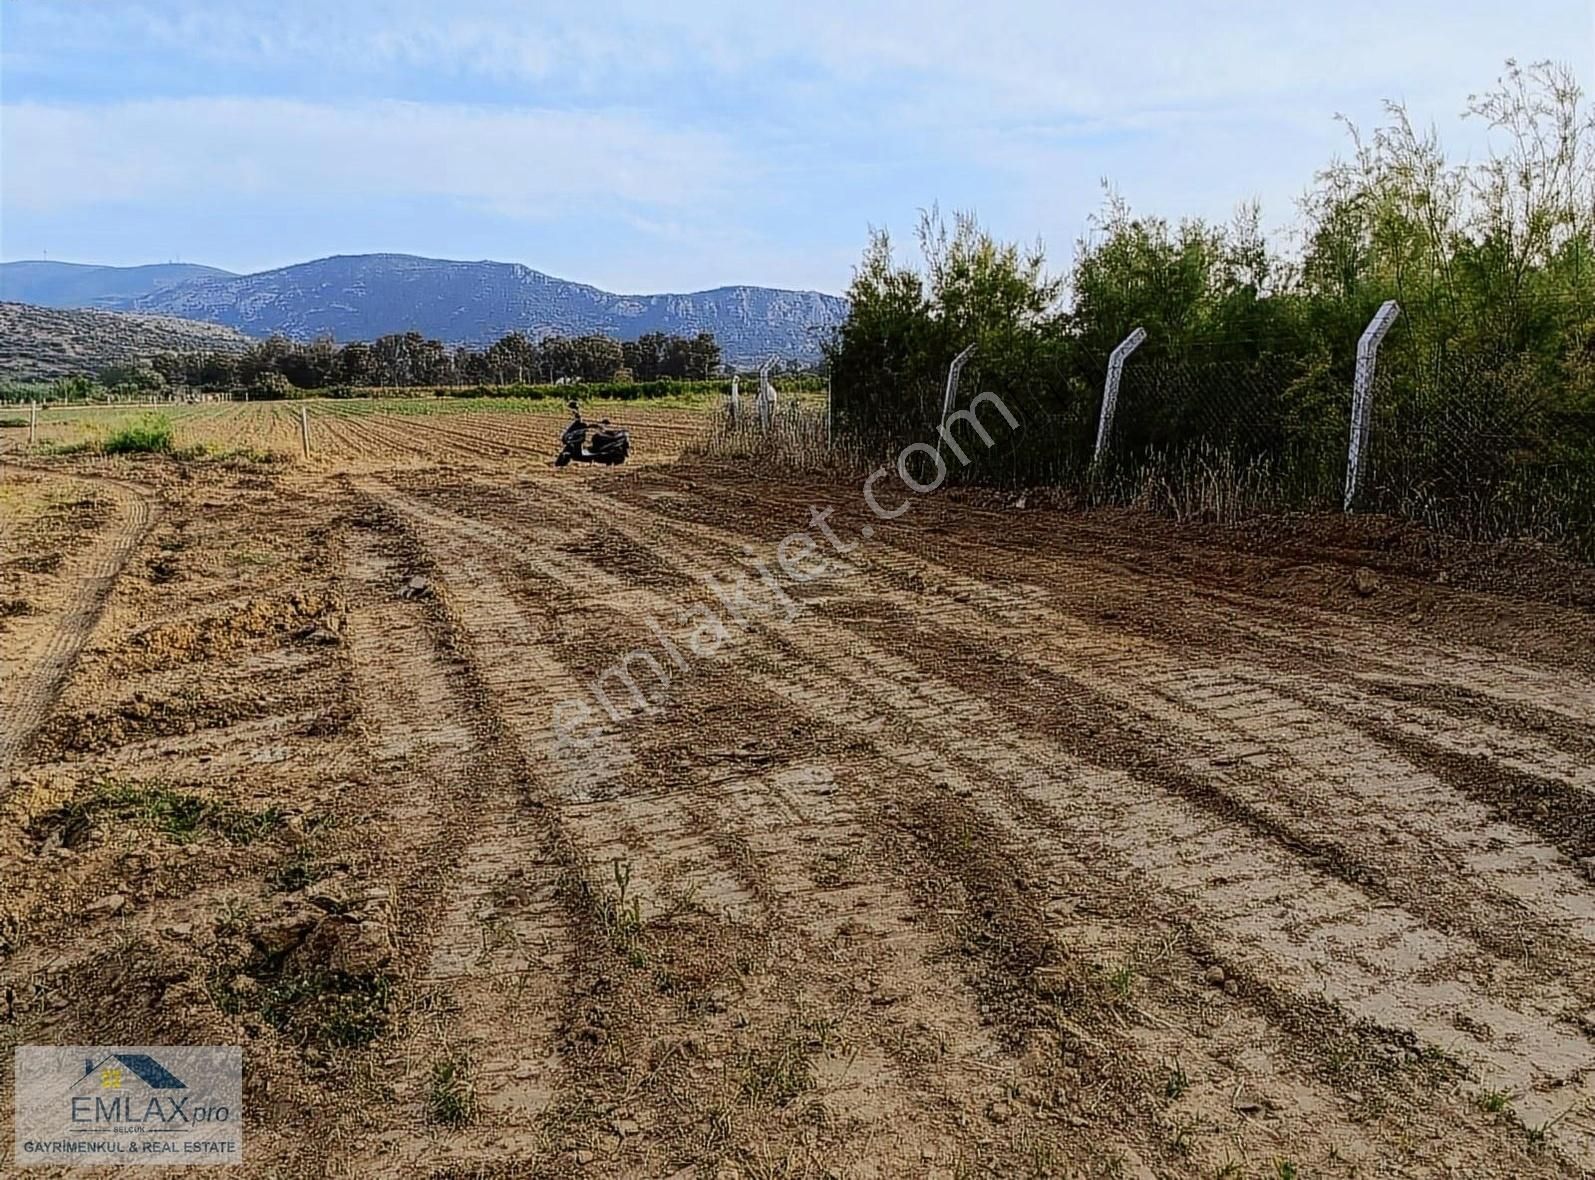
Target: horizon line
241	274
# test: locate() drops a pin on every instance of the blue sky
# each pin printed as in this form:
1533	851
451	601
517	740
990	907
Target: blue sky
656	146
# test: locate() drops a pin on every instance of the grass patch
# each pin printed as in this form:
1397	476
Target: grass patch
450	1096
231	916
1176	1083
177	815
249	557
618	914
1493	1101
253	456
777	1075
296	871
1121	983
150	434
327	1009
303	866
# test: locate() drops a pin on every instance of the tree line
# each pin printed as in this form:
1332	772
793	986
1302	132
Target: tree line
1489	371
277	366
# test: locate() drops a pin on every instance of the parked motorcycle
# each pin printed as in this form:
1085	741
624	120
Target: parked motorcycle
609	446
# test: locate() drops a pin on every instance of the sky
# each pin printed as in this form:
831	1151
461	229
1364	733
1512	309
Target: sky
648	147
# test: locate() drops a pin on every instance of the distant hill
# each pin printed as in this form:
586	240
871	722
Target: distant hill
363	296
41	343
74	284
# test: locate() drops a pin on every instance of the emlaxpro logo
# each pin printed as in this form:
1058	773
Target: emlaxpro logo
148	1104
140	1102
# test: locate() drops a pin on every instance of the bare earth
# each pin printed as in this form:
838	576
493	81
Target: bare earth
1020	842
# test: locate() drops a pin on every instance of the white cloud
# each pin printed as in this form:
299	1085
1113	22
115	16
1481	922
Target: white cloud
1046	57
526	162
756	141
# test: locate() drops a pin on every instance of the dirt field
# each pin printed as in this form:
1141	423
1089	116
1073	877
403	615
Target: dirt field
1015	842
358	431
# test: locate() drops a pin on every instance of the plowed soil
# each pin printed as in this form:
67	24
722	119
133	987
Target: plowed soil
1011	842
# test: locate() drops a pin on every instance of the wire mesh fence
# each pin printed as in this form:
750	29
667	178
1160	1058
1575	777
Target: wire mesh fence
1482	445
1485	445
1277	424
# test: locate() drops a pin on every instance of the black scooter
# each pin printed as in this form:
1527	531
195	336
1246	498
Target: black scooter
610	446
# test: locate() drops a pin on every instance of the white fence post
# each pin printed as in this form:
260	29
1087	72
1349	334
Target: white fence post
1110	389
1362	393
766	394
953	372
736	400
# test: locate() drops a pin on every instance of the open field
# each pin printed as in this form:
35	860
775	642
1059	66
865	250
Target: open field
363	431
1018	842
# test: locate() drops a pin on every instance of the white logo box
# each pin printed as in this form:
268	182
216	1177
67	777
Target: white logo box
152	1105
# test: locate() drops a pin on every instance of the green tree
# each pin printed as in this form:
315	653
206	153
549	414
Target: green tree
598	357
132	377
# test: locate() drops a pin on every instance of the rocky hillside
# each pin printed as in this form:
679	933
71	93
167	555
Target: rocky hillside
360	297
40	343
73	284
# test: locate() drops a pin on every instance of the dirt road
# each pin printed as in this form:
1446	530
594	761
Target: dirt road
996	841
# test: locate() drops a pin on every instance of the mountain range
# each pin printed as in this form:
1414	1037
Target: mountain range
363	296
42	343
76	284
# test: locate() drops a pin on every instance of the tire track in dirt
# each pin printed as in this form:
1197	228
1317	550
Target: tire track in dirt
1264	750
938	1042
1379	964
1100	826
858	1087
1256	750
1251	893
487	984
1566	1056
613	1009
1524	742
899	976
1265	738
668	859
657	838
36	673
1513	780
1075	581
824	699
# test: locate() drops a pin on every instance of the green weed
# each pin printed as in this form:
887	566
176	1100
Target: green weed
451	1098
177	815
327	1009
148	434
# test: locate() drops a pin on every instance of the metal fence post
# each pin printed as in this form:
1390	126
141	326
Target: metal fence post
1362	393
304	431
766	394
953	372
33	423
1110	389
827	409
